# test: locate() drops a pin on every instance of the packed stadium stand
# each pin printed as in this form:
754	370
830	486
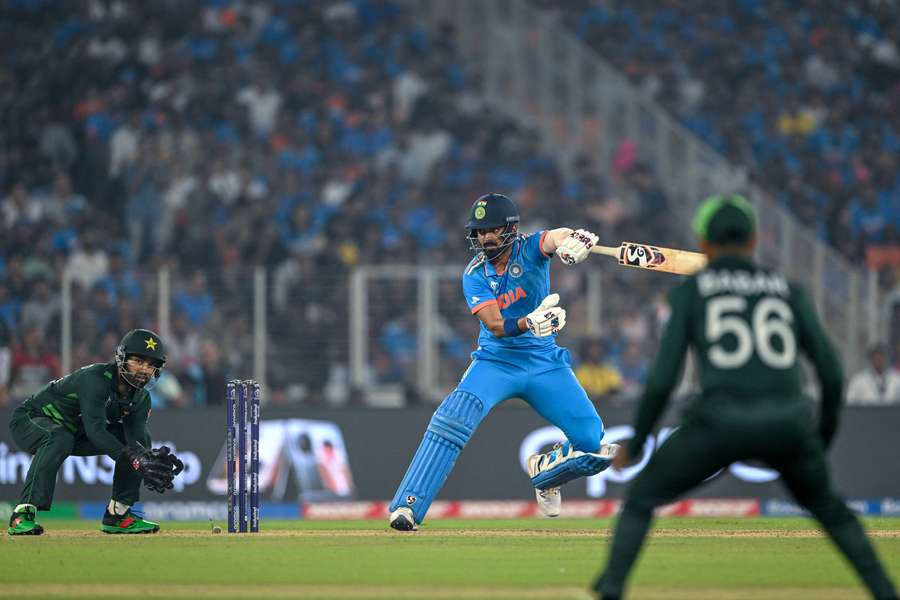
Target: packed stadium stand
804	94
312	137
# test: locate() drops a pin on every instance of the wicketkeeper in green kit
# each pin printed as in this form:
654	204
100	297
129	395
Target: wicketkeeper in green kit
98	409
747	326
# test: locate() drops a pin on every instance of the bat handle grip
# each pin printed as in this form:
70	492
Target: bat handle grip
607	250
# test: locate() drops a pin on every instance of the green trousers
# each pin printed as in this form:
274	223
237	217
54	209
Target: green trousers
51	444
704	444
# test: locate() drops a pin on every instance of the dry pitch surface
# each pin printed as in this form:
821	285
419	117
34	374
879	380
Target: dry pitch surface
696	559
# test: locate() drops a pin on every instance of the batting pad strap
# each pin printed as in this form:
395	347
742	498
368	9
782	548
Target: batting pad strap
564	464
453	431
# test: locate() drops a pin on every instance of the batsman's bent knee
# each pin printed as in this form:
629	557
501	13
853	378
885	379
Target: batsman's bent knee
564	463
457	417
449	431
588	436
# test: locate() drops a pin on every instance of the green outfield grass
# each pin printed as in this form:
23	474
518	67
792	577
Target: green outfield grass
697	559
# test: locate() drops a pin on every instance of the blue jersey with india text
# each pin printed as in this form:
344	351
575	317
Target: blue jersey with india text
517	291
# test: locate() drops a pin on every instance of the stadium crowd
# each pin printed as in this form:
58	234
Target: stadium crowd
804	95
307	137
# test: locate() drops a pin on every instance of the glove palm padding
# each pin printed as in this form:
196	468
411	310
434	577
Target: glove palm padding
157	467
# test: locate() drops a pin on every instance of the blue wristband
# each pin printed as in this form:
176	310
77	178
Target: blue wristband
511	327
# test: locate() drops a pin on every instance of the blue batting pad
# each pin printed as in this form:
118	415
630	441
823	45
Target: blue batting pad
448	432
588	463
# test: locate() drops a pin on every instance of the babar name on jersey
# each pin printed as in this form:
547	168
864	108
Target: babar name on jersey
744	283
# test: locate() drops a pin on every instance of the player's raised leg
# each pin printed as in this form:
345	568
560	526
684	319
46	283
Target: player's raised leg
558	397
484	384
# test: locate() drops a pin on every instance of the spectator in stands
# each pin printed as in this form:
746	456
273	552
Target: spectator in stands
90	262
20	208
207	376
9	309
33	364
167	392
877	384
633	367
597	375
6	341
42	308
196	303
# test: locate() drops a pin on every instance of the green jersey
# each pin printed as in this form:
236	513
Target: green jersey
86	401
747	327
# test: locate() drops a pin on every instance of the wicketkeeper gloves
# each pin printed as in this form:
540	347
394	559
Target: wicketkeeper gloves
157	467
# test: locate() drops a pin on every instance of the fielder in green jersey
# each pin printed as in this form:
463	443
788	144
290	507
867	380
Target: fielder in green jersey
98	409
747	326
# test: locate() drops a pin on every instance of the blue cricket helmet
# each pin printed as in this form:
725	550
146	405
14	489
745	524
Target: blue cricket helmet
489	212
492	210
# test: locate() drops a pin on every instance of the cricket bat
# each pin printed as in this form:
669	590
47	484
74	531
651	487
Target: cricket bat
642	256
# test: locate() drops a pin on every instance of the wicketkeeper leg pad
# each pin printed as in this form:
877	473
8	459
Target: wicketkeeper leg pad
564	463
450	428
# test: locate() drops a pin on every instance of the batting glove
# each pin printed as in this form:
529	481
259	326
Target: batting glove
546	319
576	247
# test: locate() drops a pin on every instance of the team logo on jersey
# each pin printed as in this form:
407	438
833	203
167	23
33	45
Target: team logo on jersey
494	286
516	270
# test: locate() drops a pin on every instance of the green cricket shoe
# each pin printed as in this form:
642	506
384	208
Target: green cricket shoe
21	522
127	523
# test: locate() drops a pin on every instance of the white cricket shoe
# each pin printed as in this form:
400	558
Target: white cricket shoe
402	519
609	451
549	501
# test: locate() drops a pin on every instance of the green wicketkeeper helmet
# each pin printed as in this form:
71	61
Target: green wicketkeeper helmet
140	342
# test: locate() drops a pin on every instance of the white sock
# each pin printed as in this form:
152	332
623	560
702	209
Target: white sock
117	508
21	508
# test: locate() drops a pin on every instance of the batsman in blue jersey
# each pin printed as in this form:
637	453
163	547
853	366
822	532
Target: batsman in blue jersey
507	286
